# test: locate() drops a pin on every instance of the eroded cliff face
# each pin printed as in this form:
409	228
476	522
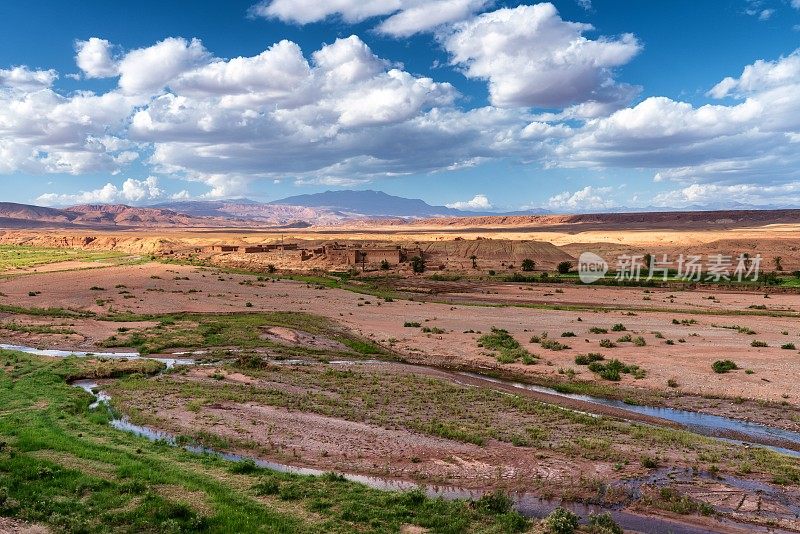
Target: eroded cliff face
133	244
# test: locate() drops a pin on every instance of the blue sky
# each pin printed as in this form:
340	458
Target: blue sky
571	106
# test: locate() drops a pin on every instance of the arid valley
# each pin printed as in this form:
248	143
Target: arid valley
502	388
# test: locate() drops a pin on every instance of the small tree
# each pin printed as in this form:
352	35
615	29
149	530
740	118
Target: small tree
647	259
271	268
778	260
385	265
417	264
564	267
474	259
528	264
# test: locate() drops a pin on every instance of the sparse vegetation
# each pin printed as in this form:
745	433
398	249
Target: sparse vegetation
586	359
564	267
509	350
560	521
614	369
417	264
723	366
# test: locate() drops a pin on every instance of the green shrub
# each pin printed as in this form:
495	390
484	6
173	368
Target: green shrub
598	330
411	324
788	346
433	330
614	369
495	502
561	521
498	339
649	462
723	366
586	359
564	267
756	343
509	348
604	524
552	344
607	344
619	327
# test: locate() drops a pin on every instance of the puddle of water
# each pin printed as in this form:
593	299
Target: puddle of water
92	388
55	353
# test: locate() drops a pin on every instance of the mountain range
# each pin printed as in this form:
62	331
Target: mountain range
321	209
326	207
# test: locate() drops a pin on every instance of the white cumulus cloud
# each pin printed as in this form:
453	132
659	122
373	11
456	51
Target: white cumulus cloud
25	78
530	56
479	202
150	69
588	198
405	17
131	190
94	57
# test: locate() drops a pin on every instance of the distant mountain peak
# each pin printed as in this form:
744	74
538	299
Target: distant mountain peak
368	202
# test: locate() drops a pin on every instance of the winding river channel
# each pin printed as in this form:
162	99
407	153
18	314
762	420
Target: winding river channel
526	503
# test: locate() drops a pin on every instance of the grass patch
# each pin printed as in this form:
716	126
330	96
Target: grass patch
242	330
35	329
22	257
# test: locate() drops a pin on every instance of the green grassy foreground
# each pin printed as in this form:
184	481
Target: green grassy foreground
61	464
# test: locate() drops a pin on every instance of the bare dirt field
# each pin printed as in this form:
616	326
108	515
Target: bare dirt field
708	334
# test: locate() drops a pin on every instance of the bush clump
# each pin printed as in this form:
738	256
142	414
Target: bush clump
586	359
723	366
614	369
509	349
604	524
560	521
